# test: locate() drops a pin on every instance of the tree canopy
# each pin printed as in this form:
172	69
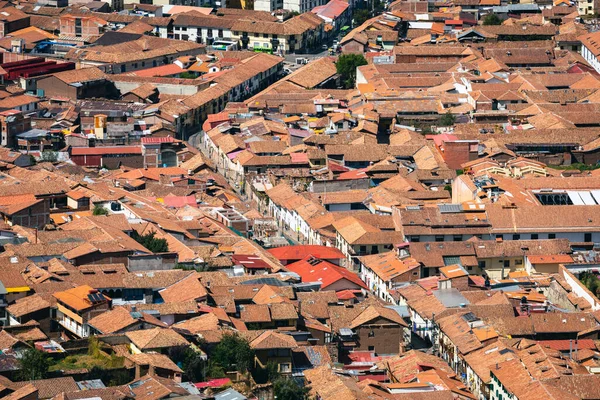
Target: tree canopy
447	119
150	242
346	66
34	365
191	362
492	19
99	210
360	16
288	389
590	280
232	353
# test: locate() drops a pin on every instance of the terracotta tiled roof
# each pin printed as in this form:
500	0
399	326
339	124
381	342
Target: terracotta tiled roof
188	288
155	360
112	321
273	340
48	388
205	322
371	313
255	313
388	266
157	338
283	311
27	305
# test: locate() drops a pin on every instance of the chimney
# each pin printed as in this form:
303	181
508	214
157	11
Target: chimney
570	349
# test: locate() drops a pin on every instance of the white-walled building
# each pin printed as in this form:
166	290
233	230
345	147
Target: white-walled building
590	49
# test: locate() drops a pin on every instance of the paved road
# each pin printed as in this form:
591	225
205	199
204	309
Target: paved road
311	56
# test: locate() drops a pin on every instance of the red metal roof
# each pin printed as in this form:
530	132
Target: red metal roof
314	270
163	70
334	167
215	383
332	10
180	201
345	295
374	377
154	140
299	158
551	259
355	174
563	345
296	253
90	151
249	261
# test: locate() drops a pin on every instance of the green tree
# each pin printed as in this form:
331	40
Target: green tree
492	19
150	242
448	188
190	361
590	280
49	156
99	210
233	353
34	365
214	370
447	119
94	348
346	66
288	389
360	16
187	75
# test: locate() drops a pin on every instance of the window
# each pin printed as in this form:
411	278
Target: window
371	348
499	237
481	264
439	238
285	367
457	238
552	236
415	239
266	35
534	236
587	237
519	262
516	236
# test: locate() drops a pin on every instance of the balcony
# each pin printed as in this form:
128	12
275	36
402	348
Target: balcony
73	327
